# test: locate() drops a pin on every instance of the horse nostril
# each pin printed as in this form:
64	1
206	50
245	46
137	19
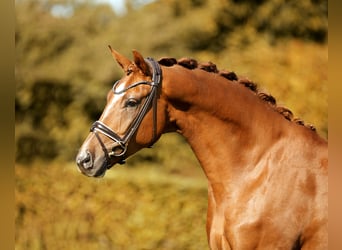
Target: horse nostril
84	160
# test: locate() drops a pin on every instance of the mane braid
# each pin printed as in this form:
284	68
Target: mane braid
191	64
188	63
209	66
230	75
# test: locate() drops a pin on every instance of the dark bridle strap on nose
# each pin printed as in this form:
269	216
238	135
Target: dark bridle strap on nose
100	127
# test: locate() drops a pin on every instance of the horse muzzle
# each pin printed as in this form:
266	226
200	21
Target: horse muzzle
96	166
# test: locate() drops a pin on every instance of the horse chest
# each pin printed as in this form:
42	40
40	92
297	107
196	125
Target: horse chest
243	233
241	226
228	232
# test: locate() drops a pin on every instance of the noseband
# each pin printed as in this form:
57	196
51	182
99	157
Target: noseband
100	127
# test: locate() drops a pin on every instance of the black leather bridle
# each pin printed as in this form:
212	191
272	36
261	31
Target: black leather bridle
151	100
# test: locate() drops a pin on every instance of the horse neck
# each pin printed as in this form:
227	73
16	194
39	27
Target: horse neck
227	125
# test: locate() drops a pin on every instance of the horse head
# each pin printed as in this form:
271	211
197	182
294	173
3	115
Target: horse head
134	117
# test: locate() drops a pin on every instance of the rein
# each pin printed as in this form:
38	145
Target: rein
100	127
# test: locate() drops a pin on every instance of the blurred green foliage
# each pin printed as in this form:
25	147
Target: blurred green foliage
64	70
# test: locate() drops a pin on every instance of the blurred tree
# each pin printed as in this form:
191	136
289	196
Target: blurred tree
64	68
278	19
46	99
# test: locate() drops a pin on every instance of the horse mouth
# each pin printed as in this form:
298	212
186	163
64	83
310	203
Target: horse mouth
100	173
97	173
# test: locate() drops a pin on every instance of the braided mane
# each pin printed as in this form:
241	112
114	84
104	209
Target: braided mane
190	63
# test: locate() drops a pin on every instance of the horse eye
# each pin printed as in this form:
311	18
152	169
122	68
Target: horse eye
131	103
128	72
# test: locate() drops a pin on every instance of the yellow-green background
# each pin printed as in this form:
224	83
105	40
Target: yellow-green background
63	70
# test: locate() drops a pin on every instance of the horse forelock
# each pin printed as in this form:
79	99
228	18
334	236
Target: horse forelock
190	63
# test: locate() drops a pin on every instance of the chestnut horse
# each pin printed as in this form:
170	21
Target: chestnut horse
267	172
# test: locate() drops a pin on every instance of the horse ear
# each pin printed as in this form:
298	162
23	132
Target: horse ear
122	60
141	63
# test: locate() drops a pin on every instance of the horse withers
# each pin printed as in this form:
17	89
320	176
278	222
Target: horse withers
267	172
